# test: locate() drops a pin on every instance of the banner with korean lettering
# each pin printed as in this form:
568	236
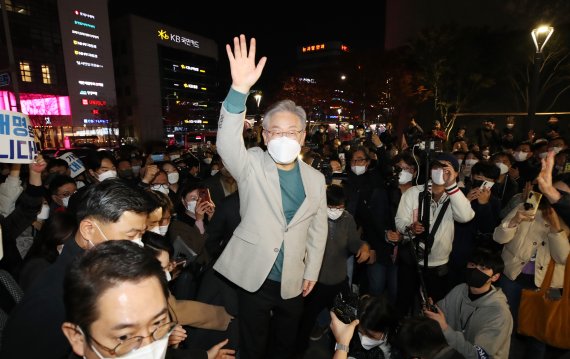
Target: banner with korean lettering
75	165
17	143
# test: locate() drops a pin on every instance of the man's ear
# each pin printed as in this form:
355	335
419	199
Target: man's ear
75	338
495	277
303	136
87	229
265	136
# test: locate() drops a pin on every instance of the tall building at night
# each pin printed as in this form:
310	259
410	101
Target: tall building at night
166	80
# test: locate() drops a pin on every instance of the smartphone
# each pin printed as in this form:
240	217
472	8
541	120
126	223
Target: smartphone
157	157
532	201
204	194
487	185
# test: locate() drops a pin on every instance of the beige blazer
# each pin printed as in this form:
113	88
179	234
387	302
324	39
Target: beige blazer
522	240
253	248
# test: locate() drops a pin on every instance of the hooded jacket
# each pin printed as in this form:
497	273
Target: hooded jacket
483	324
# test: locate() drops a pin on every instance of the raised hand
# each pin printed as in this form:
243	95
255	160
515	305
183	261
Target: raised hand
544	179
245	72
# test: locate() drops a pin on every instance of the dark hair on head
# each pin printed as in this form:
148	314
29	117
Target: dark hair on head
407	158
477	155
108	200
335	195
377	315
59	228
56	162
169	163
161	200
103	267
154	243
488	258
59	181
189	187
420	337
487	169
364	150
503	154
94	159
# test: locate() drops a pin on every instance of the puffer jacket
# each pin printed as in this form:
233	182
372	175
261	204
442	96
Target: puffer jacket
521	241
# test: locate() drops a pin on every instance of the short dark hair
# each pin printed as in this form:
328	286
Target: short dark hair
154	243
376	314
407	158
59	228
420	337
108	200
488	258
94	159
191	186
335	195
161	200
101	268
487	169
56	162
59	181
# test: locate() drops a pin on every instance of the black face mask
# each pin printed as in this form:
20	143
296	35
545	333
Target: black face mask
475	278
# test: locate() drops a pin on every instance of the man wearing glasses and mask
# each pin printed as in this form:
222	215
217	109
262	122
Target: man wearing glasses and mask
275	253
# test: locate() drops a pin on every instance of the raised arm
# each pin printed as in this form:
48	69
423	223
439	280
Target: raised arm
245	72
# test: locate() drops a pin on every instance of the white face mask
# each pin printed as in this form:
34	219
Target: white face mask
191	206
334	213
173	177
520	156
556	150
358	170
59	248
213	172
136	170
106	175
79	184
91	244
369	343
160	188
154	350
503	167
460	161
174	157
542	155
405	177
284	150
163	229
207	160
437	176
139	242
168	276
44	213
155	230
470	162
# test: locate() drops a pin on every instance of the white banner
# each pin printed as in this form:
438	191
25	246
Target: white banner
75	164
17	143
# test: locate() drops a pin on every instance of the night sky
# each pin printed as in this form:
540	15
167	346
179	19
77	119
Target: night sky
278	33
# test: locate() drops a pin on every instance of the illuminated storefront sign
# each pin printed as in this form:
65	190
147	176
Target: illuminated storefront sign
165	36
95	121
92	102
313	48
36	104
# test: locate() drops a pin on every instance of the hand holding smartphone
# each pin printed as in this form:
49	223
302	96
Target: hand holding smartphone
487	185
532	201
204	195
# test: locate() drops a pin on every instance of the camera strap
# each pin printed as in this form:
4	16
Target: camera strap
430	239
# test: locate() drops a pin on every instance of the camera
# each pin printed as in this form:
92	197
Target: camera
345	307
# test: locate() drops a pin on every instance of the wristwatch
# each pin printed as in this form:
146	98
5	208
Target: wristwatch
342	347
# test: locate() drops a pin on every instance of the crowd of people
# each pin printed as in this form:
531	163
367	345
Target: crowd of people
258	245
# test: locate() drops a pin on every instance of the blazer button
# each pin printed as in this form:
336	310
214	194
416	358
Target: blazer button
534	243
275	250
543	243
541	267
522	263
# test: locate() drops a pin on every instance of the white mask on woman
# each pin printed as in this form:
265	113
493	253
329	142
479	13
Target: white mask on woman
369	343
437	176
191	206
503	167
283	150
405	177
173	177
163	229
106	175
358	170
520	156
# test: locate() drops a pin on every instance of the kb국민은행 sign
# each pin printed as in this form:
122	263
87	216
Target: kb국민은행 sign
17	143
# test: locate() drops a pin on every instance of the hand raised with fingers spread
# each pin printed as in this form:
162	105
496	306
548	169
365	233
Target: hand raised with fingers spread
245	72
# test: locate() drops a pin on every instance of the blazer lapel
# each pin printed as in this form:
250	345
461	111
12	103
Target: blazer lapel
273	186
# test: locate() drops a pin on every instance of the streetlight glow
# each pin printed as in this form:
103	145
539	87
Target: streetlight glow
257	98
540	36
343	77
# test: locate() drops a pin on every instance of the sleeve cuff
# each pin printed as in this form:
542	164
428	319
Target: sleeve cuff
235	101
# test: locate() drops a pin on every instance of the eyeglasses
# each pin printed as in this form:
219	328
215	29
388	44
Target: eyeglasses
133	343
66	194
292	134
160	185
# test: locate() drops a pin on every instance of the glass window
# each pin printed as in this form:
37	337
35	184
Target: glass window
46	75
25	71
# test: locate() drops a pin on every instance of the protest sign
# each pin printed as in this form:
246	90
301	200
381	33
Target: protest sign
75	164
17	143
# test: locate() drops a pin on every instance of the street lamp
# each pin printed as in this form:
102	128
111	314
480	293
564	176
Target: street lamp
540	37
257	98
339	110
